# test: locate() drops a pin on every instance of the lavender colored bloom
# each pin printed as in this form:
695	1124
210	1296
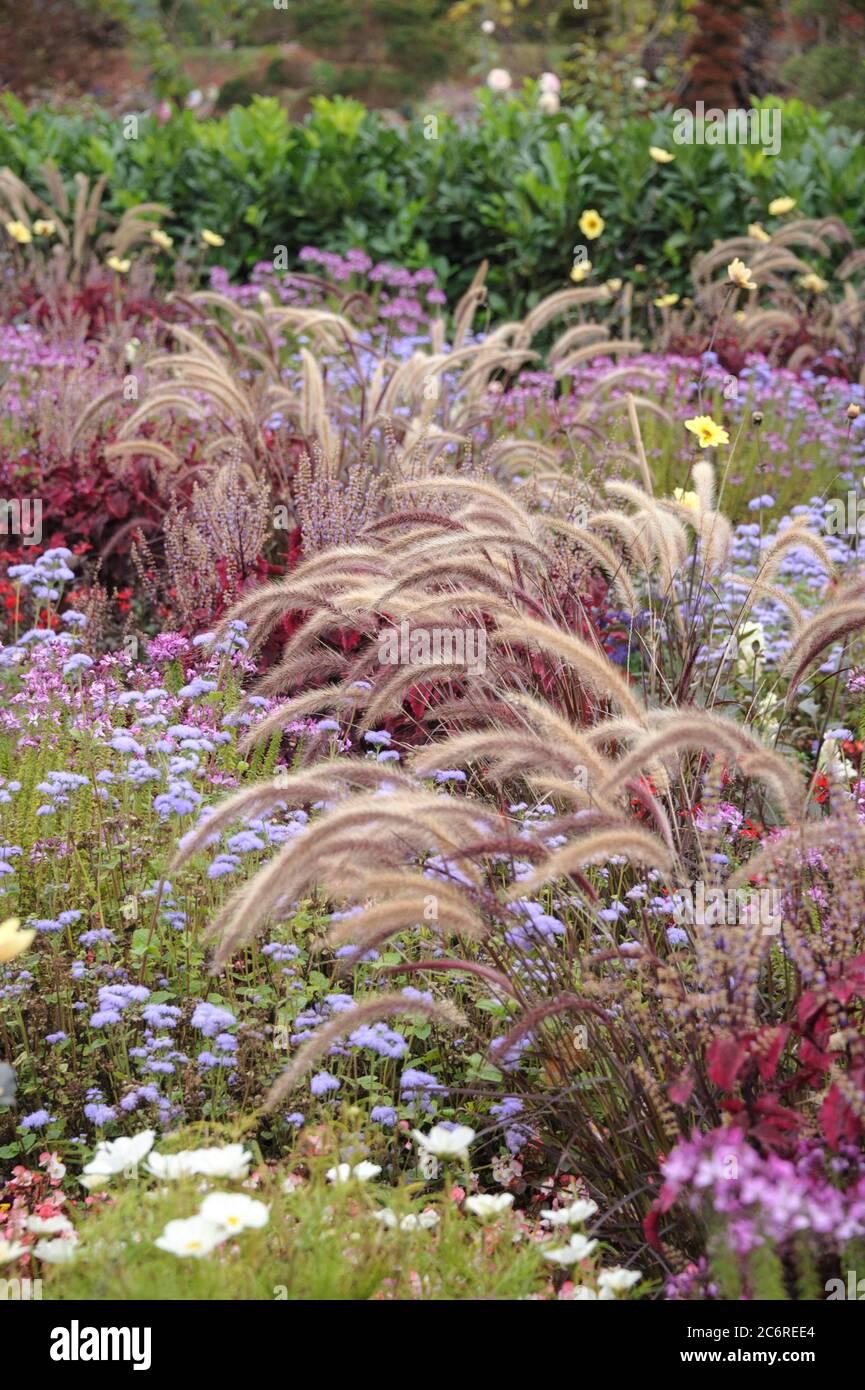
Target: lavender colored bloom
323	1082
100	1114
103	1018
90	938
383	1115
378	737
161	1015
210	1019
197	686
416	1084
379	1038
38	1119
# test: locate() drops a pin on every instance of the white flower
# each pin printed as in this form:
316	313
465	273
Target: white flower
49	1225
364	1172
488	26
424	1222
115	1156
619	1280
234	1211
55	1252
428	1165
231	1162
639	82
487	1207
445	1143
341	1173
549	103
578	1248
573	1215
10	1250
549	82
54	1168
195	1236
499	80
582	1293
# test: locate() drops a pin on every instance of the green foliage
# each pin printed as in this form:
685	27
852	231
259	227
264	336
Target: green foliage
509	186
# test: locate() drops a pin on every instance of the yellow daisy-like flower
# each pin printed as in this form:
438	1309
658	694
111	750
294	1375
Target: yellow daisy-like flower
814	282
661	156
687	499
779	206
741	275
43	226
666	301
758	231
581	272
13	941
613	285
19	232
591	224
161	239
118	263
707	432
212	238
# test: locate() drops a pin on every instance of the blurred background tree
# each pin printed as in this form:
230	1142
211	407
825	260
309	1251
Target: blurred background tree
829	68
616	57
713	54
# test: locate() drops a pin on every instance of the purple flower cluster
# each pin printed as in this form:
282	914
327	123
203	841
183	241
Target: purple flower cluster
763	1197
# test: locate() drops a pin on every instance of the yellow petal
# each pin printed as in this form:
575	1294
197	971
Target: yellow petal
13	941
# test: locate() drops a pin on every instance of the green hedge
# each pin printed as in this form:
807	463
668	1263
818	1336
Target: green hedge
509	185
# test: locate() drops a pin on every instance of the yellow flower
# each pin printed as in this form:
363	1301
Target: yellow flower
613	285
661	156
741	275
212	238
708	433
779	206
161	239
591	224
580	272
758	232
121	265
13	941
19	232
813	281
44	227
687	499
666	301
853	411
